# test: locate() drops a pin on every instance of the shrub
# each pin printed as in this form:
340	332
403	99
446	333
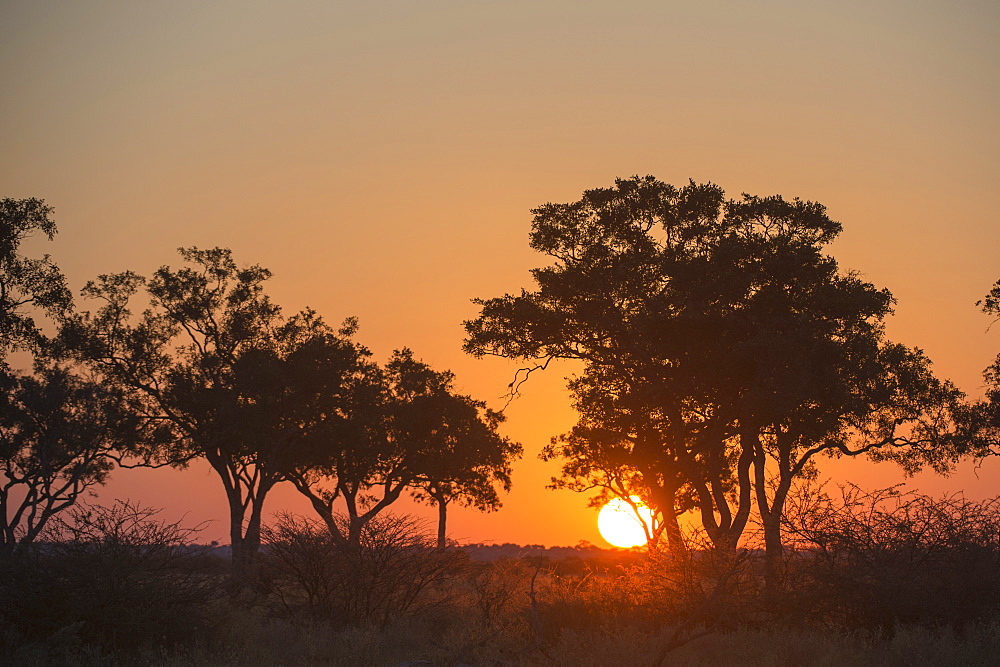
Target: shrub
394	570
110	577
874	560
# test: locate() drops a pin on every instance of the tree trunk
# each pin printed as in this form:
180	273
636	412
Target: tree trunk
442	521
241	558
354	527
770	515
251	534
773	551
672	529
244	539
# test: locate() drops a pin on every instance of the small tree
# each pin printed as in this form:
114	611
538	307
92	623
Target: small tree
400	427
467	459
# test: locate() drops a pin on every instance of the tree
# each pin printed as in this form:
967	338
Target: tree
60	435
60	432
194	363
722	324
401	427
466	460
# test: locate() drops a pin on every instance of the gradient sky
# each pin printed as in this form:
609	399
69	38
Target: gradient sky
381	158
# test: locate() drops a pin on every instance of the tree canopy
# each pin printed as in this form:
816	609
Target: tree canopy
734	345
61	432
197	364
403	427
28	285
215	371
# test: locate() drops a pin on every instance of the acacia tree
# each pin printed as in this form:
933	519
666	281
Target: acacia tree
713	315
60	432
466	459
400	427
635	292
189	362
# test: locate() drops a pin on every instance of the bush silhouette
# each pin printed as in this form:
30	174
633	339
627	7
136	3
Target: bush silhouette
113	577
394	570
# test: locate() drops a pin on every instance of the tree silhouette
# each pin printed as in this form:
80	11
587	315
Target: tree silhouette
466	460
193	364
401	427
737	343
60	432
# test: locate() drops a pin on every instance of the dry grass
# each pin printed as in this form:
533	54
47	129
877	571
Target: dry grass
705	609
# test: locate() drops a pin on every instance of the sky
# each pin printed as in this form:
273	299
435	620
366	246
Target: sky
381	158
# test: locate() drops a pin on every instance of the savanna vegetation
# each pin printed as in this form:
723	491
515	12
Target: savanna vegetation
722	353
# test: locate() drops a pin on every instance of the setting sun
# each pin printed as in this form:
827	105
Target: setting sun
619	524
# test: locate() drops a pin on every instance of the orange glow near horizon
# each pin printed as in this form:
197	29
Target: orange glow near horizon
382	158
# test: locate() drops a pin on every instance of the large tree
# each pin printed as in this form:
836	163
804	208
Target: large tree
195	363
737	342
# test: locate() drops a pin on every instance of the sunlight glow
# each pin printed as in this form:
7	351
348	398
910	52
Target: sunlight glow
619	524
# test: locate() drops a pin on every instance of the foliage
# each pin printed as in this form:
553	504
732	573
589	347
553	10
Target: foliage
27	285
393	571
403	427
201	363
720	345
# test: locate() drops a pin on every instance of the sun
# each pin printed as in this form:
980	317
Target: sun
619	524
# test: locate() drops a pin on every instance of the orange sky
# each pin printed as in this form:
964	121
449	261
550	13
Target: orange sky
381	159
